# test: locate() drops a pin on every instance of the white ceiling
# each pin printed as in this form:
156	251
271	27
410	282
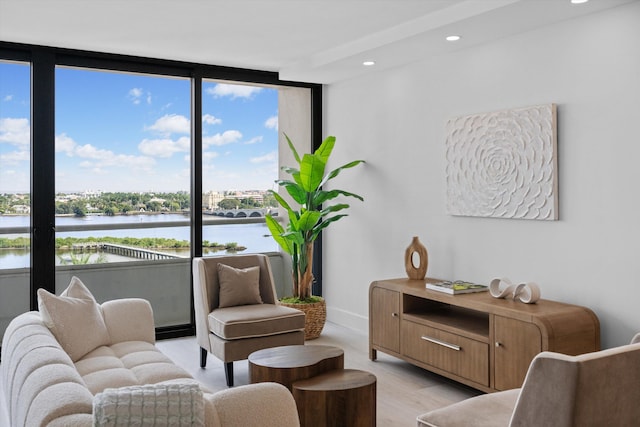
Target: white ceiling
320	41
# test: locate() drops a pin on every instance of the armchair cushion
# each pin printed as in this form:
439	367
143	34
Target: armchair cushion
254	321
74	318
489	410
238	286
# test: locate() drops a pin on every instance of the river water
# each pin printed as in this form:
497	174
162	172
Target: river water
255	237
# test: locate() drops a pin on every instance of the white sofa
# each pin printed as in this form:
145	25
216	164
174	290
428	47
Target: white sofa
48	384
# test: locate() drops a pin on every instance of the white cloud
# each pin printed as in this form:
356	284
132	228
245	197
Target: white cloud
14	157
254	140
88	151
135	94
233	91
207	156
269	157
98	158
227	137
171	123
271	123
7	98
211	120
65	144
164	147
15	131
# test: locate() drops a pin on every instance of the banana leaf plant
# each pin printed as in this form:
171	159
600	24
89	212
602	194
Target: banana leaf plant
304	225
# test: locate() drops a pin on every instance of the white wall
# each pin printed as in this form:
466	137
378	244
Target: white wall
590	68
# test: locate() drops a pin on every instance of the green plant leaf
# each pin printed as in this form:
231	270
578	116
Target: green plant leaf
295	237
311	172
325	149
292	148
276	232
323	196
308	220
289	170
336	171
282	202
335	208
296	192
325	223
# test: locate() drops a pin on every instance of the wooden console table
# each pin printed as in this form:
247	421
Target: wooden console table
475	339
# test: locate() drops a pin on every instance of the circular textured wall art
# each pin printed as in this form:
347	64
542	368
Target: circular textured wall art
503	164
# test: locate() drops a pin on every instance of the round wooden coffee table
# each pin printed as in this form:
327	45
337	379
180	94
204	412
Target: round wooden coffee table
291	363
344	397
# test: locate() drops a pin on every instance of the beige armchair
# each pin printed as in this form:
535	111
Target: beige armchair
236	309
593	389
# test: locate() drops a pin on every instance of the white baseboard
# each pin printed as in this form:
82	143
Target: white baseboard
348	319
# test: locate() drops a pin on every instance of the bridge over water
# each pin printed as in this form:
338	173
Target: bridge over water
239	213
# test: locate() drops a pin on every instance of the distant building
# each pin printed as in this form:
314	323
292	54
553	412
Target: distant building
21	209
212	198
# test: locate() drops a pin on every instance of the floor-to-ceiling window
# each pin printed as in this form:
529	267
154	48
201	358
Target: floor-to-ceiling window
15	196
139	165
239	166
122	186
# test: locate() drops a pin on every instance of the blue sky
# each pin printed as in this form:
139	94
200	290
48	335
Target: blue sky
131	132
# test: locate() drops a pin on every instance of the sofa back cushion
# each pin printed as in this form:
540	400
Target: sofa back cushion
74	318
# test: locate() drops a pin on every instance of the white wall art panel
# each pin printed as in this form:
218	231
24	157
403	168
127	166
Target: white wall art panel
503	164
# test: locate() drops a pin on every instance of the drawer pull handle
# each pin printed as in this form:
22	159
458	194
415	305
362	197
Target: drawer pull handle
394	314
442	343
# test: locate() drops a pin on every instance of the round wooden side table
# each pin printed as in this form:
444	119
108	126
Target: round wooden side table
345	397
291	363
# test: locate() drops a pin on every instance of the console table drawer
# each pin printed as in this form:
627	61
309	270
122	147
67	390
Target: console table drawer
453	353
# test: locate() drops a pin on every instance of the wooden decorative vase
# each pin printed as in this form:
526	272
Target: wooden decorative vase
420	271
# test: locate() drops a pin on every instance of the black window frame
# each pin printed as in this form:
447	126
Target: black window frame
43	61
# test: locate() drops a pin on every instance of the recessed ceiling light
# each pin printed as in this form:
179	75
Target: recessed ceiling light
368	63
453	38
579	1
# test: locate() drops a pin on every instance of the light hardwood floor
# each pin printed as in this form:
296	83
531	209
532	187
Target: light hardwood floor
403	390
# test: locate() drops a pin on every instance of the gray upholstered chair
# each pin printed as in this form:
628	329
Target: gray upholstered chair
237	310
592	389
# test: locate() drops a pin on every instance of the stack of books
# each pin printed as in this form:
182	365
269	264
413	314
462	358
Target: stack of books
456	287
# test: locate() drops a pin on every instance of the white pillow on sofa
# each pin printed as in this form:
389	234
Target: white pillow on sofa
74	318
172	404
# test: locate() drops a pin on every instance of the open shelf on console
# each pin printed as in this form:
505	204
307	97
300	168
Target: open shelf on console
458	320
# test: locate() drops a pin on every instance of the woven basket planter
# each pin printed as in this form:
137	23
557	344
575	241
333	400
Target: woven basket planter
315	317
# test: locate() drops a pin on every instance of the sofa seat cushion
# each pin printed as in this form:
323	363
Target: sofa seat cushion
126	364
489	410
255	320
